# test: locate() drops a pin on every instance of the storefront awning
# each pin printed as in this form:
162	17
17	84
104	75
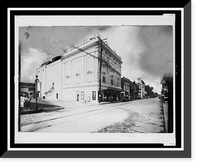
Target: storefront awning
112	89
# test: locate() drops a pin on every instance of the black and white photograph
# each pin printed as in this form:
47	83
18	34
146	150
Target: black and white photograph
97	78
115	81
98	83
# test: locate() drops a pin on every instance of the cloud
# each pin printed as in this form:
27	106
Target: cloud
157	58
150	47
52	40
30	61
145	48
146	51
127	44
125	41
41	43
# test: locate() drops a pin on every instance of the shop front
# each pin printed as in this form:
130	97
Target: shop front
111	94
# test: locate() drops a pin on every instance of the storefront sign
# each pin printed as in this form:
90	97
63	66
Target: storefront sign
93	95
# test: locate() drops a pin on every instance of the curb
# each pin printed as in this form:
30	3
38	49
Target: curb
164	121
165	113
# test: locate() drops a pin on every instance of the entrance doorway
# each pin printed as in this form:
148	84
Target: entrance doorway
77	97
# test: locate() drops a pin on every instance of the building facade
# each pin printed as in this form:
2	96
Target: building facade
89	72
141	85
49	75
134	90
126	87
167	85
29	88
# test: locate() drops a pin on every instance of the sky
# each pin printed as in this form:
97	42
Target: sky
146	51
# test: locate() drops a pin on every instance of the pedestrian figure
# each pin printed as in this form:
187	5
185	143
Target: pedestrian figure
22	102
27	102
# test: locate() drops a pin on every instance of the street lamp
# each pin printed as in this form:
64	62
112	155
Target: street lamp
36	81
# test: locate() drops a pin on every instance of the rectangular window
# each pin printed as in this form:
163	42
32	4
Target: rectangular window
111	81
104	79
82	95
93	95
56	95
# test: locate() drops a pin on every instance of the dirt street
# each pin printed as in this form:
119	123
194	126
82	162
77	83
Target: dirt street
140	116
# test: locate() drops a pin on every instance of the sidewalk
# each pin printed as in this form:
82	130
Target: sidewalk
47	106
43	106
165	111
46	109
79	104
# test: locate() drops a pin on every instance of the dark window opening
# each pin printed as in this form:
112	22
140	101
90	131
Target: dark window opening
77	97
111	82
104	79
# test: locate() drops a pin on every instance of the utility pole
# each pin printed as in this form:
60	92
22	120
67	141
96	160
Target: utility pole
100	66
36	88
101	49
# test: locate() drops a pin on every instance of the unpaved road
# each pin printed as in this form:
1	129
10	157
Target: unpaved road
141	116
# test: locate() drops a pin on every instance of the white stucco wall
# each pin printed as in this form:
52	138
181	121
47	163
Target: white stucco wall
50	80
80	76
76	75
53	81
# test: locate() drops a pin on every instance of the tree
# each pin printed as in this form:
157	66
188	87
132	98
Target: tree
149	91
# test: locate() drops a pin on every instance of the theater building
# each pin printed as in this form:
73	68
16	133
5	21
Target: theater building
81	73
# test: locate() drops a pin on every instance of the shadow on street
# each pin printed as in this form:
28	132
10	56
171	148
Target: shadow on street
30	107
41	104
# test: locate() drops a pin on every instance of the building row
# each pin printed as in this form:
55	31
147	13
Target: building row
136	89
90	72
